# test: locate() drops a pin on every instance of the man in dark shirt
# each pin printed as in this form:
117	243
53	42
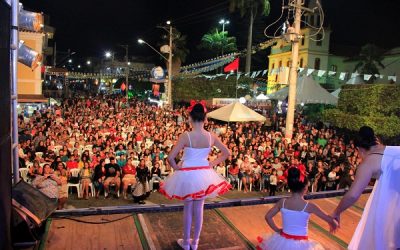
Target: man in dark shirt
113	173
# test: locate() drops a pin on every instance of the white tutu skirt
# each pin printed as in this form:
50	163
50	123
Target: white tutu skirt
196	183
278	242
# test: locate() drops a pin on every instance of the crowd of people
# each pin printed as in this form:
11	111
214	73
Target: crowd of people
110	146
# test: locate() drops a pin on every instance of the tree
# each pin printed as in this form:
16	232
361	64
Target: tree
179	50
252	8
218	42
369	61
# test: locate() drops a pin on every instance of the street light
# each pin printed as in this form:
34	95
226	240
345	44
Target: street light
88	62
223	22
79	66
141	41
108	54
70	60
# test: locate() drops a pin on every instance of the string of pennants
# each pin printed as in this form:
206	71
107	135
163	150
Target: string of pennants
208	65
302	71
137	74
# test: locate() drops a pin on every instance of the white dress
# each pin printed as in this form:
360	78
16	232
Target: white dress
294	235
379	227
195	180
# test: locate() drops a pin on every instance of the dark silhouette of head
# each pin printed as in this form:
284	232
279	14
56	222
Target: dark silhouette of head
198	113
366	138
295	184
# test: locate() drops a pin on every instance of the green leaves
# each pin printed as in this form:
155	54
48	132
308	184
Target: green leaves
186	89
369	61
377	106
218	42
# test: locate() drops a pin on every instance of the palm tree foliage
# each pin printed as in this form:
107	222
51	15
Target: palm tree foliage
179	50
252	8
218	42
369	61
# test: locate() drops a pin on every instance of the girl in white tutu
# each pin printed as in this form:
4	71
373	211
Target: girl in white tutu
295	215
194	179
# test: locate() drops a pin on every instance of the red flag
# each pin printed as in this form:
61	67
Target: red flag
123	86
232	66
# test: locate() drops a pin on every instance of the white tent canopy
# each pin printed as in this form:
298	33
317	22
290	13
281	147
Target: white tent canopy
336	92
308	91
262	97
235	112
355	80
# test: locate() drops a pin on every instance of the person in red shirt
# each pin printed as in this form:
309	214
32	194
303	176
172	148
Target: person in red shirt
128	177
233	174
72	163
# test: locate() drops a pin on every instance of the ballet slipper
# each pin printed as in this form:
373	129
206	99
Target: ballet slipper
194	244
184	245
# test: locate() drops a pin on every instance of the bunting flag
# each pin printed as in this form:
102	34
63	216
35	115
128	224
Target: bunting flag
342	76
264	72
331	73
258	73
392	78
321	73
238	76
367	77
301	70
310	71
233	66
253	74
247	74
355	74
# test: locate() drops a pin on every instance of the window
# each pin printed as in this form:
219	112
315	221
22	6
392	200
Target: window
334	68
301	62
288	63
273	66
280	64
317	63
302	41
319	40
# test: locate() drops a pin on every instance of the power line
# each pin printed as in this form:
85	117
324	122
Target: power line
203	10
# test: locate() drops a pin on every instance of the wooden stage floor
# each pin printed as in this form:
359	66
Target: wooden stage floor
224	228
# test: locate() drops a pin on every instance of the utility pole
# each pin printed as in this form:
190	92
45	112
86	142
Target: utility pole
294	35
126	47
55	54
170	68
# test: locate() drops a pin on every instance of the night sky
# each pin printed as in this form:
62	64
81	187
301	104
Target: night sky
91	27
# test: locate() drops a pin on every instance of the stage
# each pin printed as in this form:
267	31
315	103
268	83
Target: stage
235	227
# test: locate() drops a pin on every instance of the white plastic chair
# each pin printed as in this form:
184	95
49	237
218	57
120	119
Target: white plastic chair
92	191
75	173
240	185
24	173
111	185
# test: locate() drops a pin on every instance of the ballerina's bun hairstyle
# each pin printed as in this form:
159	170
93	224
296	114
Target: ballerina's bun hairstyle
197	110
366	138
294	180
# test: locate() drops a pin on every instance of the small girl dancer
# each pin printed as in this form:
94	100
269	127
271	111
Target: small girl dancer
194	179
295	215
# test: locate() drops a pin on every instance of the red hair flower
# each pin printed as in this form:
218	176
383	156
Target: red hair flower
302	170
193	102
